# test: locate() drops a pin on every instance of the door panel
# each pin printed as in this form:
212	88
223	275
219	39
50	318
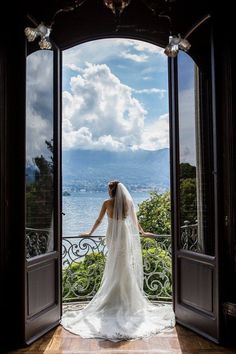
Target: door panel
42	295
194	188
39	277
42	193
200	276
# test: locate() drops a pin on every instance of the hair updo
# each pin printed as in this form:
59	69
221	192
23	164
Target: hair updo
112	187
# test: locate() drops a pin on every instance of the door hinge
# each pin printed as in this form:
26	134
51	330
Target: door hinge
226	220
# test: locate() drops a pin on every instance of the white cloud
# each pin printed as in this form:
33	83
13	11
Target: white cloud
38	131
141	46
73	67
156	134
135	47
147	78
101	113
104	50
135	57
83	139
161	92
39	103
187	126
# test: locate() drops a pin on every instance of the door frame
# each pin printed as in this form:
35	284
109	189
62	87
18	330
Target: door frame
210	261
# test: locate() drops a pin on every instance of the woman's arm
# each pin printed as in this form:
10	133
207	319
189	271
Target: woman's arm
143	233
98	221
149	235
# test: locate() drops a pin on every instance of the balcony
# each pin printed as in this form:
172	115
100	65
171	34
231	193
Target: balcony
83	261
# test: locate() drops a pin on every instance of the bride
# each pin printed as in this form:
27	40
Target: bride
120	310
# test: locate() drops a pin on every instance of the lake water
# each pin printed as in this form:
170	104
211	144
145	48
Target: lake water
82	209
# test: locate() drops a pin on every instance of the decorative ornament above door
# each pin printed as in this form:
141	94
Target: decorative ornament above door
117	6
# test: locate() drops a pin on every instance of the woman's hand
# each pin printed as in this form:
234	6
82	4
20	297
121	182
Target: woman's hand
143	233
147	234
85	234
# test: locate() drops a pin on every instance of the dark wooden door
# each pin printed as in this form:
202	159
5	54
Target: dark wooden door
42	193
194	187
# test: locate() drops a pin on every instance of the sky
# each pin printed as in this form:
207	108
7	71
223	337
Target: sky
187	109
115	96
39	103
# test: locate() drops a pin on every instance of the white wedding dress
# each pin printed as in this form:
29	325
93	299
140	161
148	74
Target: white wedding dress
120	310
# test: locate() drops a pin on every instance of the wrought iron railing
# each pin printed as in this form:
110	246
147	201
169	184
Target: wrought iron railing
190	237
37	241
83	261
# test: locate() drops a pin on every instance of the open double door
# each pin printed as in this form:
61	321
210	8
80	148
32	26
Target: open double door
193	145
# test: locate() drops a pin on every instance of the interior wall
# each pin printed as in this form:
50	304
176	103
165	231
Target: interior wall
12	115
226	111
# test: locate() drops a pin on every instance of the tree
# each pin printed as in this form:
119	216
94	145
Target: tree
188	201
187	170
39	193
188	193
154	214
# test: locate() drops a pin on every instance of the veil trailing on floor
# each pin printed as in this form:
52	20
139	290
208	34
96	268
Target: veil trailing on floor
120	310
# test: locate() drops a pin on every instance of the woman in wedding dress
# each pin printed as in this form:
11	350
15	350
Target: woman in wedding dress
120	310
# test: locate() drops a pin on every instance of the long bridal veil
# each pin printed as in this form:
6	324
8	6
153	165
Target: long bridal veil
120	310
124	240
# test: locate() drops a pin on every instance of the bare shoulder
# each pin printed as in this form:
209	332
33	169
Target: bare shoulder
107	202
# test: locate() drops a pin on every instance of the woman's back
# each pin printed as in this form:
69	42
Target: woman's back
110	207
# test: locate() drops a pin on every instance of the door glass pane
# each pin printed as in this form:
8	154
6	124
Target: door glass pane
39	153
193	203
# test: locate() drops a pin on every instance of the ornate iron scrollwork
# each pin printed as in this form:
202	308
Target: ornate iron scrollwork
189	237
83	261
36	242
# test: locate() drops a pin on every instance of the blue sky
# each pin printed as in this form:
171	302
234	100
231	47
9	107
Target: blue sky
115	96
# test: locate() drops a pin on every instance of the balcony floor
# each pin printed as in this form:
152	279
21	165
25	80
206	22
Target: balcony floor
179	340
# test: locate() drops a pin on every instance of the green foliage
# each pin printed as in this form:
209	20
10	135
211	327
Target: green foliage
188	193
83	277
39	194
81	280
188	200
187	171
157	267
154	214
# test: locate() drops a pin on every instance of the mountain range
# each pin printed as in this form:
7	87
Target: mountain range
137	169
